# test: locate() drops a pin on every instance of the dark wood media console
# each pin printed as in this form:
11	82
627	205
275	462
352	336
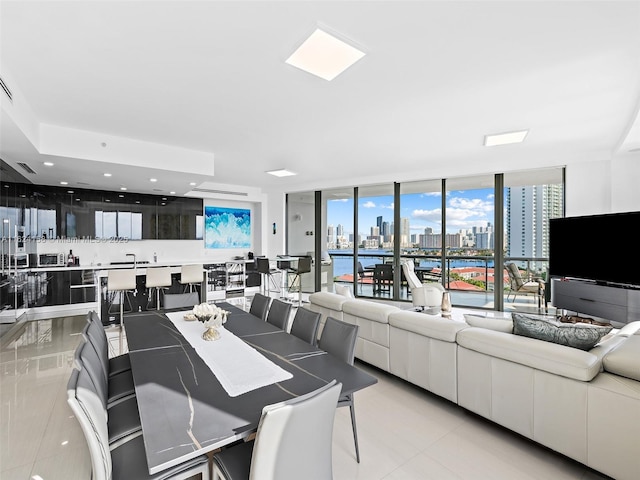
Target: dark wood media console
616	304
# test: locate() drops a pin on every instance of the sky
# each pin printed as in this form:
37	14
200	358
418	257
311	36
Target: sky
465	209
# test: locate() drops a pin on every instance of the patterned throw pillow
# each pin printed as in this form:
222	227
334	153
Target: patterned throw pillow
577	335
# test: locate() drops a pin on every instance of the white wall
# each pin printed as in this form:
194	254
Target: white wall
588	188
625	175
276	207
300	217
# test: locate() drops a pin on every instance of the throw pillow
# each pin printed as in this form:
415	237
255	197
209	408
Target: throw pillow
498	324
343	290
576	335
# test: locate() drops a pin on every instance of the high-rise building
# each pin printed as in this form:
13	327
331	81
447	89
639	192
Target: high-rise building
405	232
331	239
529	209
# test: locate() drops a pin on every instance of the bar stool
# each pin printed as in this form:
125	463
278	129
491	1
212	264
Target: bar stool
190	275
121	282
158	278
263	267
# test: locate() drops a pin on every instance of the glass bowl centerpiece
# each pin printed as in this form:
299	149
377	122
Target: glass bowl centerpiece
212	317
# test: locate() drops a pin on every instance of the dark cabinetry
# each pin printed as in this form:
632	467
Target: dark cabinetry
51	212
612	303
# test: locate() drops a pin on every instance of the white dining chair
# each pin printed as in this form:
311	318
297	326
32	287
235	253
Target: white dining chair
293	441
126	460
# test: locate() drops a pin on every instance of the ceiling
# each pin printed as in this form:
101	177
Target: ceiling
199	92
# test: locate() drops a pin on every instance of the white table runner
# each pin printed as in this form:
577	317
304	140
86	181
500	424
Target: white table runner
238	367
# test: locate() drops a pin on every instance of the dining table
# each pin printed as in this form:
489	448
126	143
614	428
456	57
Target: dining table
187	409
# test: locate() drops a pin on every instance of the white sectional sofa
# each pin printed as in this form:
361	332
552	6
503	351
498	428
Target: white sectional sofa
583	404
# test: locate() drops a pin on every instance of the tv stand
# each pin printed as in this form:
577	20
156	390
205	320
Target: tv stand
620	305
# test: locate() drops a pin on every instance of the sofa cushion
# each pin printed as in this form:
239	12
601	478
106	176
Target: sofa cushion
625	359
431	326
577	335
328	300
498	324
377	312
545	356
344	290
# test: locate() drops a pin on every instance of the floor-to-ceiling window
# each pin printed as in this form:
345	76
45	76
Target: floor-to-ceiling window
469	239
376	238
459	232
531	198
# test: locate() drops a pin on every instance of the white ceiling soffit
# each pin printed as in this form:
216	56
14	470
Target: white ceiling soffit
69	142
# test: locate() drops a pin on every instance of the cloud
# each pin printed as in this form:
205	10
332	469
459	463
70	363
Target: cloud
369	204
340	200
481	207
429	215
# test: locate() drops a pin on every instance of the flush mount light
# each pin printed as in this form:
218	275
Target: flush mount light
281	173
504	138
48	164
107	174
324	55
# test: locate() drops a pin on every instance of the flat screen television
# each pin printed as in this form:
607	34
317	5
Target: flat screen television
599	248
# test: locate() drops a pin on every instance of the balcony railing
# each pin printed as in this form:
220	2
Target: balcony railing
469	278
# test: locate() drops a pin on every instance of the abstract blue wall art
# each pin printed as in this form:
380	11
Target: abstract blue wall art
227	227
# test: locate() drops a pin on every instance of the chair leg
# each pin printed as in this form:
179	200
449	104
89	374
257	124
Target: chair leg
355	430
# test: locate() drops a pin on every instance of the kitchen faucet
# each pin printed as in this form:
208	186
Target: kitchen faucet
134	258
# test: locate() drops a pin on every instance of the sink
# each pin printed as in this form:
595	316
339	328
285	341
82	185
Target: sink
127	262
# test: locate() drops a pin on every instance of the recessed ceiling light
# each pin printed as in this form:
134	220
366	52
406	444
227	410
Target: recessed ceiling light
324	55
107	174
123	189
48	164
64	183
172	193
137	201
121	196
70	191
77	199
193	184
153	179
283	172
504	138
107	200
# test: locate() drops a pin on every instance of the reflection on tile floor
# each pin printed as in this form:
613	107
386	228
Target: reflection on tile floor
404	431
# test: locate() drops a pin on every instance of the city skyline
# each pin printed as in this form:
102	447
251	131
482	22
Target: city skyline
465	210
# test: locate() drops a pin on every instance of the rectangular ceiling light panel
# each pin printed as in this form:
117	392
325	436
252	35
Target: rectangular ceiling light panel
324	55
281	173
505	138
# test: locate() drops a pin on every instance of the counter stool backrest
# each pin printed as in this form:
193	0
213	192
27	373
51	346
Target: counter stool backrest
121	279
191	274
158	277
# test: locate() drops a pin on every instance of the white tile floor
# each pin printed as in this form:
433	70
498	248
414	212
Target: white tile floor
405	432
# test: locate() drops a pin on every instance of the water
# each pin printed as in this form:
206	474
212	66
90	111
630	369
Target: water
344	265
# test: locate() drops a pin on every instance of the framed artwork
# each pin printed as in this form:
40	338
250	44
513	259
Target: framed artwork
227	227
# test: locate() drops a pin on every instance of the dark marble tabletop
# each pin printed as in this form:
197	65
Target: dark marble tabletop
184	409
